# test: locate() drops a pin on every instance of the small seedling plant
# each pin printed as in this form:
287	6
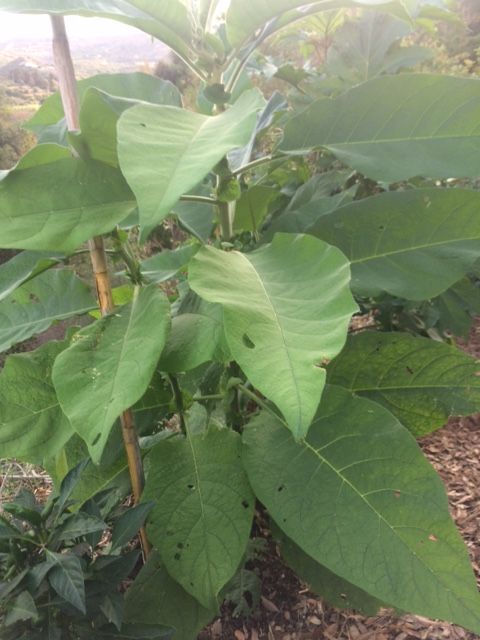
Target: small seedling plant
222	373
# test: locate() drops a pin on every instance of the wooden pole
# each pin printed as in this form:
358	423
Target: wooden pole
68	91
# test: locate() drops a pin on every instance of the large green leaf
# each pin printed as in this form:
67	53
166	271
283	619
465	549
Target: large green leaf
203	509
359	498
155	598
245	19
413	244
133	86
57	206
22	267
100	113
30	309
395	127
370	46
167	20
110	364
420	381
286	308
188	144
337	591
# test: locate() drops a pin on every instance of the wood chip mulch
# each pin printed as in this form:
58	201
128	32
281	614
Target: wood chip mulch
288	611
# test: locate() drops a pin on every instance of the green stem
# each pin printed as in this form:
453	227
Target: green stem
225	218
202	199
213	396
254	163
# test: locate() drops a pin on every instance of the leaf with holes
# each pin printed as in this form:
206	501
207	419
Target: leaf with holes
110	364
396	127
359	498
286	308
420	381
203	513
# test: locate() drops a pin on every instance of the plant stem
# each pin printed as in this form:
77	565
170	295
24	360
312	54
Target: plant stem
202	199
225	218
261	403
68	91
254	163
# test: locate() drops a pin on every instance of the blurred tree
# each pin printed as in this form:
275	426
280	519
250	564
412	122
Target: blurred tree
14	141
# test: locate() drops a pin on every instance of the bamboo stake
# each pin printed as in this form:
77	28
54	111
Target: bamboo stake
68	91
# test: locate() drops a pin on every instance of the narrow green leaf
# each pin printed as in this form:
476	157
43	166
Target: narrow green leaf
110	364
129	523
57	206
286	308
155	598
413	244
21	268
359	498
32	424
31	309
203	510
420	381
396	127
78	525
66	578
190	145
22	608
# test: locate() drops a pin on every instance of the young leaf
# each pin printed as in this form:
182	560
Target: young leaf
78	525
67	579
129	523
155	598
59	205
203	513
190	145
110	364
413	244
31	309
396	126
359	498
420	381
286	307
32	424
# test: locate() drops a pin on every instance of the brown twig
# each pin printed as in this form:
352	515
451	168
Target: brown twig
68	91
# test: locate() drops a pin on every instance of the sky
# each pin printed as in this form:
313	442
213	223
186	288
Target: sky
32	27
